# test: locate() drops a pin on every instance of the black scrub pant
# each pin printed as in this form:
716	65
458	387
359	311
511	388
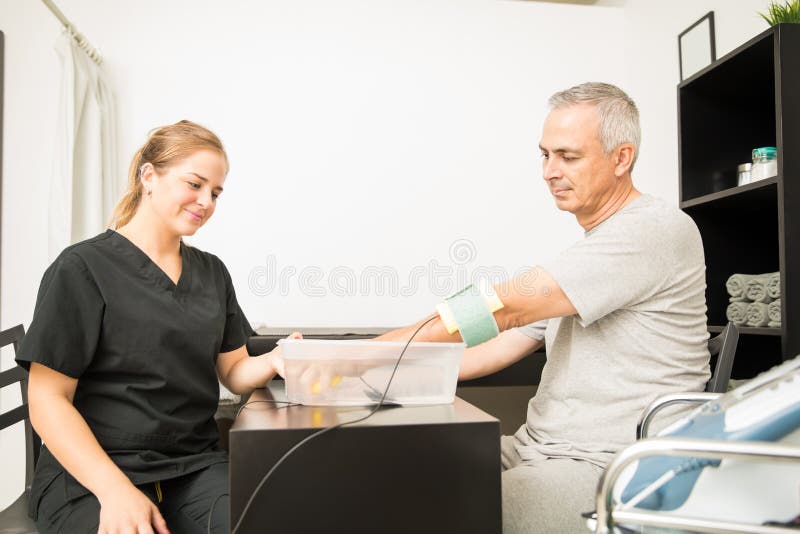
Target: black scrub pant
185	503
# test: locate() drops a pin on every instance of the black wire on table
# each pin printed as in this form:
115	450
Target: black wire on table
288	404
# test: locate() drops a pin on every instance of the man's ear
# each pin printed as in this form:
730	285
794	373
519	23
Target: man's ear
623	159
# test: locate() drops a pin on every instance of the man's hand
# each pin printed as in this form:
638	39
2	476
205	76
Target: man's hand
127	510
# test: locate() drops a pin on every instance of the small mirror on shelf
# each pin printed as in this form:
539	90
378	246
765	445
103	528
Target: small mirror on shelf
696	46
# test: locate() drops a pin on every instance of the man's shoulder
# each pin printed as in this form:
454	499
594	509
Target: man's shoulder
651	214
648	205
652	225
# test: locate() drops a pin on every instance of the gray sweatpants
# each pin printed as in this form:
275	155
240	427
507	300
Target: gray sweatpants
546	495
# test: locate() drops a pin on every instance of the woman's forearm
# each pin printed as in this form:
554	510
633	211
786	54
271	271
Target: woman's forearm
251	372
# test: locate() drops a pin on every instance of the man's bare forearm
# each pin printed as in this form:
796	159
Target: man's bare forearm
532	296
432	331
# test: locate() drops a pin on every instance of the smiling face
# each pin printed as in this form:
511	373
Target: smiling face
582	178
183	196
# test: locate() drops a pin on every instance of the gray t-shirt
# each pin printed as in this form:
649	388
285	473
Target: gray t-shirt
637	281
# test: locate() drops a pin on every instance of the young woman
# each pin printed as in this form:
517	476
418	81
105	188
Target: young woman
131	332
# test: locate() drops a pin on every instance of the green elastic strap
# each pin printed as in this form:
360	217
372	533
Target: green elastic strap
472	315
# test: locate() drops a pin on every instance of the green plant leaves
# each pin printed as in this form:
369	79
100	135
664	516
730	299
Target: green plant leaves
782	12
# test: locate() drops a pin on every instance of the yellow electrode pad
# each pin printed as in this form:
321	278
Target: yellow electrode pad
470	311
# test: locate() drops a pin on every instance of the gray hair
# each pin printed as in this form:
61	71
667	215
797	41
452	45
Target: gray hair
619	117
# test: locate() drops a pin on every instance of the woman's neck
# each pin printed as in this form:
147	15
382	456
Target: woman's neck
146	235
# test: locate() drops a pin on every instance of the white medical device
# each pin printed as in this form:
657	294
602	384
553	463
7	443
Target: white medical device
723	483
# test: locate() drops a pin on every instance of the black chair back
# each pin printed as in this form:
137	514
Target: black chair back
14	518
723	346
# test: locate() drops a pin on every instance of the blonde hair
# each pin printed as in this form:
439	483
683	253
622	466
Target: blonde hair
164	146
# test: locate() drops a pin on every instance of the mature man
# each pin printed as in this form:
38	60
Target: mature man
621	312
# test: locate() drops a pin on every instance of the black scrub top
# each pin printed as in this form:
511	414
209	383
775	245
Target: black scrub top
143	350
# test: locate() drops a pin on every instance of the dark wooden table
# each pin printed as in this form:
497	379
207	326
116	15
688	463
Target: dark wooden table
405	469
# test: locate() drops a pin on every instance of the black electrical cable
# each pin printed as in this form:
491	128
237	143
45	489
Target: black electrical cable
372	388
211	510
242	407
327	429
288	404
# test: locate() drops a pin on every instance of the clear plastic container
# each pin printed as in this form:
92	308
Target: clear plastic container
355	373
765	163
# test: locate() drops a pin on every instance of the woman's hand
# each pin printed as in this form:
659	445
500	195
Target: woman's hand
241	373
128	510
276	356
320	377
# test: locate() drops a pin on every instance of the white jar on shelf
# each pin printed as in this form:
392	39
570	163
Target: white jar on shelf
743	174
765	163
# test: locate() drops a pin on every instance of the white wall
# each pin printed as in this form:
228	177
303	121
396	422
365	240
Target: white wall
29	105
361	133
651	58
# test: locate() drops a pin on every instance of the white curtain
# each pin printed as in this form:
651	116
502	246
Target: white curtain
83	187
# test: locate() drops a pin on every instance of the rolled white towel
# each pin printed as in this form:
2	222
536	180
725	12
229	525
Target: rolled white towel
757	314
755	289
774	285
774	324
737	313
774	311
736	282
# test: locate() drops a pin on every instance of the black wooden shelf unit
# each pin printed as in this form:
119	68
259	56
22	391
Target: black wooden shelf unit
744	100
